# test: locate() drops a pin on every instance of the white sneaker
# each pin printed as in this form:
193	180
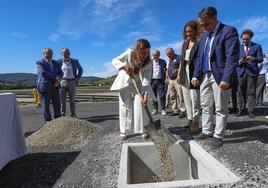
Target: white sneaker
154	112
163	113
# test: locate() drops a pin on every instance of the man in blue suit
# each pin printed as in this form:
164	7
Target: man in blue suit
247	70
48	83
158	81
72	72
217	57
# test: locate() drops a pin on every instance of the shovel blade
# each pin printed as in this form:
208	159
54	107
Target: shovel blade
156	126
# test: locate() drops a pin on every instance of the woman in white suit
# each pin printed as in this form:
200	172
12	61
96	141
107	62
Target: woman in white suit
134	63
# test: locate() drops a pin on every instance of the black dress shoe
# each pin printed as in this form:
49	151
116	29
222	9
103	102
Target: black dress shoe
201	136
251	115
173	114
182	115
233	110
216	143
240	113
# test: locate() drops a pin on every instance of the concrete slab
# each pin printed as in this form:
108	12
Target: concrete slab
193	166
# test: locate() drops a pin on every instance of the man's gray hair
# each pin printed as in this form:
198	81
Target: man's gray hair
64	49
170	49
210	12
45	49
157	51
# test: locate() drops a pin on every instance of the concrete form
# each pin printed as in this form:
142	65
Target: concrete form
194	167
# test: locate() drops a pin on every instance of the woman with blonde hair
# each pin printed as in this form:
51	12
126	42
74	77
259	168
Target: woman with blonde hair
133	63
191	94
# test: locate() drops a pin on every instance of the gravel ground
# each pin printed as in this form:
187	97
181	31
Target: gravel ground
95	162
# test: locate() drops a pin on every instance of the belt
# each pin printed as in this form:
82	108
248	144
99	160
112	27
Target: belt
68	79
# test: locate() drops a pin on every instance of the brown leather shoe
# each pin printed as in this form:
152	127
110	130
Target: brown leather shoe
194	127
123	136
188	124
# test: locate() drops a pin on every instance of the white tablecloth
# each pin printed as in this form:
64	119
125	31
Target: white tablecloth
12	141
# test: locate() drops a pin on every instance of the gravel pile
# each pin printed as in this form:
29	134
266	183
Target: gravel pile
63	131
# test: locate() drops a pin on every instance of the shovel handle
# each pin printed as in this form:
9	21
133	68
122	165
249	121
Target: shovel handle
139	93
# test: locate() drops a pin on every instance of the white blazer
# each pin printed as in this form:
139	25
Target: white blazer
123	80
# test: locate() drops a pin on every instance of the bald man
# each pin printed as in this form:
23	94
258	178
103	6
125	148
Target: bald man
48	82
158	81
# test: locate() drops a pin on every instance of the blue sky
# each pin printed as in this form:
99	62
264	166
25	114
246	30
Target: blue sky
98	30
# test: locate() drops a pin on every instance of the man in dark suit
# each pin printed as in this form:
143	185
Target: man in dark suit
48	83
72	72
248	71
217	57
158	81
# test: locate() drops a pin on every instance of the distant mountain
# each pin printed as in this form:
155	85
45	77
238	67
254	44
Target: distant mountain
30	78
19	78
90	79
107	81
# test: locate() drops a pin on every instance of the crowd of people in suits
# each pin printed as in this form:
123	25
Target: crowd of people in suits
212	70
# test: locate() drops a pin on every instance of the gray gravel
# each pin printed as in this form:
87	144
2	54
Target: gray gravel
95	162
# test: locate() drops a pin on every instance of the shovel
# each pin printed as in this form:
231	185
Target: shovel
155	127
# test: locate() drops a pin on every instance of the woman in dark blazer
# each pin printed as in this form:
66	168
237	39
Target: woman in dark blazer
191	94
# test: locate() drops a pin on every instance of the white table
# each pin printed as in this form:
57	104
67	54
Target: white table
12	141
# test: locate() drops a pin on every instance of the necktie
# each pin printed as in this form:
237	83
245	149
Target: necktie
246	50
205	56
51	65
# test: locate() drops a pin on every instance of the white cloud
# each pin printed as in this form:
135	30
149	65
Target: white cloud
259	25
106	70
110	10
234	22
98	17
175	45
20	35
148	28
83	3
98	44
54	37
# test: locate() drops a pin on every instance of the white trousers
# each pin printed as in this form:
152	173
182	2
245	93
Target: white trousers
191	98
210	92
192	102
130	110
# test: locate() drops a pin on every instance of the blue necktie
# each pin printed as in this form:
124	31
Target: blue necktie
205	55
51	65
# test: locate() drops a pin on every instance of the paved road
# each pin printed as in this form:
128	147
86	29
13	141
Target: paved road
95	163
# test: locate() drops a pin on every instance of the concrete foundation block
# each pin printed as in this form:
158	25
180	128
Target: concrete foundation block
194	167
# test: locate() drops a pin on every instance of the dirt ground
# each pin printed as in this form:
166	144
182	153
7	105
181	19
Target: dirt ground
95	162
